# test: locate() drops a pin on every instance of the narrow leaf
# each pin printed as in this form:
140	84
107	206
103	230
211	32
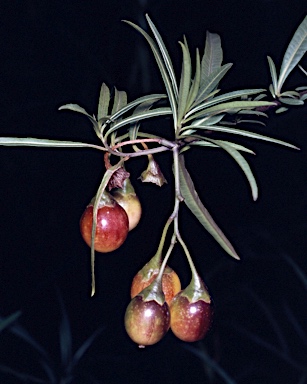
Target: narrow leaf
295	51
289	101
232	106
185	82
194	203
77	108
164	73
238	147
32	142
104	182
302	69
273	73
220	99
213	56
140	116
153	98
292	94
240	132
165	55
210	83
144	107
209	120
120	101
242	163
281	109
104	100
195	85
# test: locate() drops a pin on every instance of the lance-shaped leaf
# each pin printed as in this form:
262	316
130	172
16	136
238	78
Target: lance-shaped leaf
165	55
120	101
44	143
77	108
295	51
240	132
231	107
127	107
210	83
104	100
273	74
213	57
290	101
185	82
219	99
139	116
236	155
163	70
204	142
134	127
194	203
195	84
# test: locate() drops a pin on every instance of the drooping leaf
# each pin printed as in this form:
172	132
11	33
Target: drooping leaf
104	100
165	55
104	182
238	147
236	155
295	51
77	108
194	203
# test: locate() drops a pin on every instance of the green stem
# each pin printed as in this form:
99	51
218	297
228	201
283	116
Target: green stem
178	198
168	253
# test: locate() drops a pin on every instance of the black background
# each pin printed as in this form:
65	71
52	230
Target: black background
53	53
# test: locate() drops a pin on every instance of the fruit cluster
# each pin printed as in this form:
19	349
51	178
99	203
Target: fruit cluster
158	303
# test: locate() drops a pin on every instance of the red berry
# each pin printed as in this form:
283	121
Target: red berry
146	322
112	226
190	320
132	206
170	282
